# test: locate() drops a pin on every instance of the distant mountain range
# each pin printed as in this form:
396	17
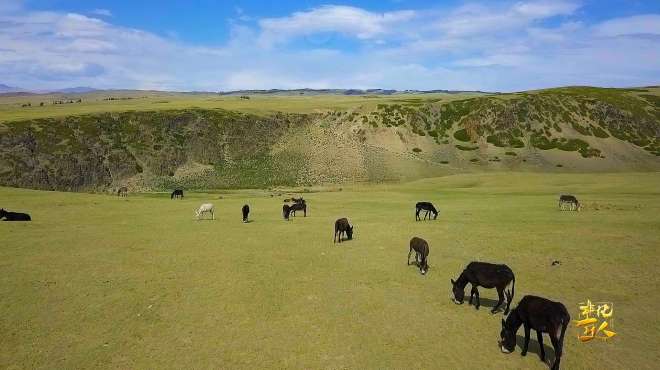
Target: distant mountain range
9	89
6	89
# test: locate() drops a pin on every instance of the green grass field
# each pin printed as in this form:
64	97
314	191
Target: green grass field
12	109
99	281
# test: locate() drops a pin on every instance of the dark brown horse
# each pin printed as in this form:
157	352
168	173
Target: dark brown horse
342	227
286	211
542	315
487	275
246	211
421	248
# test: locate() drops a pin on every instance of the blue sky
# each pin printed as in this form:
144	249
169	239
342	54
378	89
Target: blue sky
213	45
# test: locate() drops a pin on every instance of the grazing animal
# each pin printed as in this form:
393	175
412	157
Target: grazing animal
122	192
421	248
204	208
570	201
246	211
542	315
425	206
178	193
14	216
487	275
298	207
286	211
342	227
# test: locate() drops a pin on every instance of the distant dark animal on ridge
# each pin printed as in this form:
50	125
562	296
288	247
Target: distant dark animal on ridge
570	201
542	315
245	210
286	211
298	207
343	227
122	192
14	216
178	193
425	206
487	275
421	248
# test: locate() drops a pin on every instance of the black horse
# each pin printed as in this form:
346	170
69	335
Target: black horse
298	207
343	227
542	315
286	211
569	200
178	193
246	211
425	206
489	276
14	216
122	192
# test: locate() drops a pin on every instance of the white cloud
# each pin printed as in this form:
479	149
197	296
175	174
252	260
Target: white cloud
102	12
636	25
473	19
346	20
475	47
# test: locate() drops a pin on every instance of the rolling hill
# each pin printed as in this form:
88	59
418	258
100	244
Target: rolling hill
150	140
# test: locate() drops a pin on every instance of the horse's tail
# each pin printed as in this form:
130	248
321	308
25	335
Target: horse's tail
564	325
513	285
172	195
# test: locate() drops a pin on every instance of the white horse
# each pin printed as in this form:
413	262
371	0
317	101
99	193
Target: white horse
206	207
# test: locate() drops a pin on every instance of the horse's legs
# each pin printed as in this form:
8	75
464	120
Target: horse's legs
500	294
475	291
539	337
408	259
526	344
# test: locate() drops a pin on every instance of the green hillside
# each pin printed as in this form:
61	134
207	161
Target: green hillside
242	143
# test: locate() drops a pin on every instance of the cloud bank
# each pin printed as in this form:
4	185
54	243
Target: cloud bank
475	46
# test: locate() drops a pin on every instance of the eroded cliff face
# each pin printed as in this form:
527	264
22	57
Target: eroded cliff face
105	150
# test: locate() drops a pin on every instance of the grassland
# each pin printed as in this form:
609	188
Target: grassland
12	109
98	281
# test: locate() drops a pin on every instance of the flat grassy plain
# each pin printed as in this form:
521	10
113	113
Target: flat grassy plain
11	106
97	281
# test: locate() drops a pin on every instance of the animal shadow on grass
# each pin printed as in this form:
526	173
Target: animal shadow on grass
486	302
534	346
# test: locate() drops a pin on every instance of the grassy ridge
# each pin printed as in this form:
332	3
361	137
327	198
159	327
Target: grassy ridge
99	281
330	139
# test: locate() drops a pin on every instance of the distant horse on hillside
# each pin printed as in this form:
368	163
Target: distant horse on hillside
178	193
122	192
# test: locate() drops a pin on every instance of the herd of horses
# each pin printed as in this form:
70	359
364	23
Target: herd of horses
532	312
